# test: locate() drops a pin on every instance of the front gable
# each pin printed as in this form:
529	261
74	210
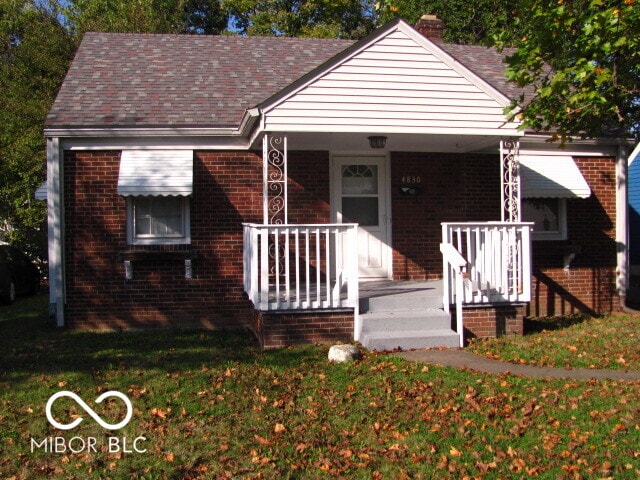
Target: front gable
397	81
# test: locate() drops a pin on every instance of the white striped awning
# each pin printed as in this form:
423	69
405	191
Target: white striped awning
156	172
551	176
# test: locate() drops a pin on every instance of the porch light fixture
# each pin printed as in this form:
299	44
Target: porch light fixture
377	141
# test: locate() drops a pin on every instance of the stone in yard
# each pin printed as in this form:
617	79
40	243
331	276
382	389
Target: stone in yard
343	353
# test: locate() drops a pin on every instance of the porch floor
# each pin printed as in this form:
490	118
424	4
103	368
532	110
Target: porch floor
410	294
419	294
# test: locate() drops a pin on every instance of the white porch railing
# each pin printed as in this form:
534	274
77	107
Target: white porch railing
455	266
498	262
301	266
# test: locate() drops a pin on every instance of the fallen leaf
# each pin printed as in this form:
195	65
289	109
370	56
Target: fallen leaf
454	452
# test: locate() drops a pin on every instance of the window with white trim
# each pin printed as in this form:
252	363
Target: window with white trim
549	216
158	220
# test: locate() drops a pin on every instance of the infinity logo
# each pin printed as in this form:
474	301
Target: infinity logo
89	410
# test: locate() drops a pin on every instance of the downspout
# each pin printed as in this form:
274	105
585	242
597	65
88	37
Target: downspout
622	222
55	222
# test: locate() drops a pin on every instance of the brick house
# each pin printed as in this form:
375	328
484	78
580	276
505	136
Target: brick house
268	183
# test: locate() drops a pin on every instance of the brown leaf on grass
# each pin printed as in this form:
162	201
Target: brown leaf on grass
261	440
443	463
158	412
472	402
169	457
279	428
530	407
485	467
346	453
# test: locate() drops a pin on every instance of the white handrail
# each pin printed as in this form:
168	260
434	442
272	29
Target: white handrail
457	265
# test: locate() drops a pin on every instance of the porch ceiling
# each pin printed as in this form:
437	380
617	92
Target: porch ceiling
358	142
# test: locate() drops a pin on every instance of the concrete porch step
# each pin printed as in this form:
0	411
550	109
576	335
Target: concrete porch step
402	320
405	315
410	339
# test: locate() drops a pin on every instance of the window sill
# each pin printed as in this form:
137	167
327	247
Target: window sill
155	255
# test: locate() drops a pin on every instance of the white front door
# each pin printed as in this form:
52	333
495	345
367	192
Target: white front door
360	196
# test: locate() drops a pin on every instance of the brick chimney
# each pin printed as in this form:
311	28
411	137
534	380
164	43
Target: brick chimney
431	27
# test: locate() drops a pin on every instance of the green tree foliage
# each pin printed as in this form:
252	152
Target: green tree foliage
146	16
35	51
298	18
466	22
593	85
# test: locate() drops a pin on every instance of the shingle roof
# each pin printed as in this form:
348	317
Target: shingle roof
179	80
144	80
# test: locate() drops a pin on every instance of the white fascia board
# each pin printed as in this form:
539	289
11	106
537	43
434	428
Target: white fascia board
177	137
97	132
155	143
537	144
634	154
499	133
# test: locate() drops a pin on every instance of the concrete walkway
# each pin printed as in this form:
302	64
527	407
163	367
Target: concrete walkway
458	358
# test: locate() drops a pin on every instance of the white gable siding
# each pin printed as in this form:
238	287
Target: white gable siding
394	85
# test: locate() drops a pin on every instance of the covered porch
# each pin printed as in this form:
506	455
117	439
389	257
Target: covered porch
316	269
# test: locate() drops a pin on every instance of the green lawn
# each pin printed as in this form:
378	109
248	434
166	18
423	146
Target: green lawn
213	405
576	341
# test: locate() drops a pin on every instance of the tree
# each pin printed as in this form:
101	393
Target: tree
298	18
35	52
146	16
466	22
581	59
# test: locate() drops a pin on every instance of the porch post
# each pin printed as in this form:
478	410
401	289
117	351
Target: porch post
510	169
622	222
274	180
55	223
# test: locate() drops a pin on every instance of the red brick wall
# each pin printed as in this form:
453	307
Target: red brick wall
99	296
589	285
485	322
227	192
309	192
455	188
283	329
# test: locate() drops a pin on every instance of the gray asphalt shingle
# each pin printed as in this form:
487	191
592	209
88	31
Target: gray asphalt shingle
145	80
179	80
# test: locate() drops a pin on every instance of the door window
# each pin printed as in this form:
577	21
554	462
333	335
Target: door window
360	194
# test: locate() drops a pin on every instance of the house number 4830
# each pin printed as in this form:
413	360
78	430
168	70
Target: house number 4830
411	179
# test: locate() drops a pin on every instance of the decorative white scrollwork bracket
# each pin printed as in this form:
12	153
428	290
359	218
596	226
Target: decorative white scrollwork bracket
510	167
274	154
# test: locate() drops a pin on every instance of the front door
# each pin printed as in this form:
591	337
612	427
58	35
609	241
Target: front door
360	196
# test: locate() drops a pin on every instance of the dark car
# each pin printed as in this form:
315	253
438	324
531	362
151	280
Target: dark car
18	275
